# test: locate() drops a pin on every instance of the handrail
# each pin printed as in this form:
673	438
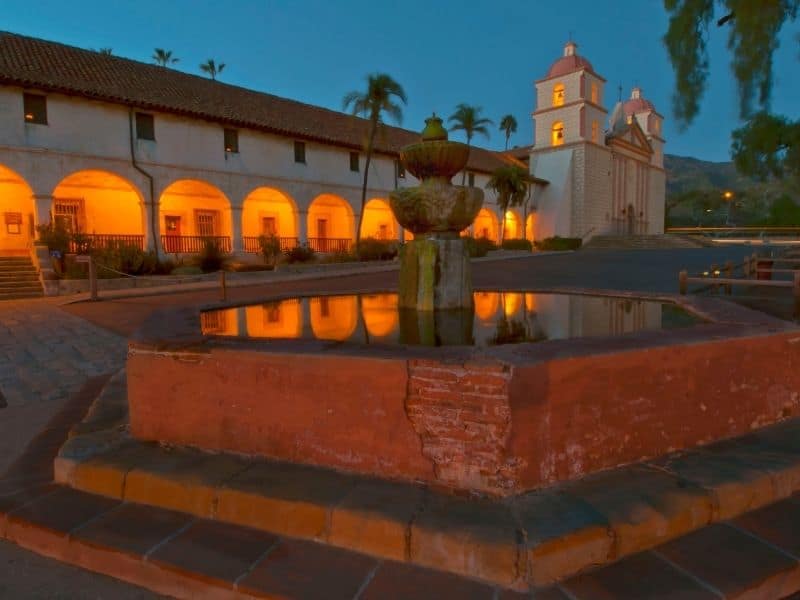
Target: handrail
189	244
253	245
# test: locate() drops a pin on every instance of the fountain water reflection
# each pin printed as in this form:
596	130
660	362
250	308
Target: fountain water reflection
498	318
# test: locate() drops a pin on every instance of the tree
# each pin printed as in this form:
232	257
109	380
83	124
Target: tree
104	51
510	185
163	58
508	125
211	68
379	98
753	38
468	119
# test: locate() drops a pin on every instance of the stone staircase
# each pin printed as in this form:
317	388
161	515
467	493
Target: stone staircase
19	278
642	242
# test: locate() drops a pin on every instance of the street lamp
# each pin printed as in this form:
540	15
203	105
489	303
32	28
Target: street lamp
727	196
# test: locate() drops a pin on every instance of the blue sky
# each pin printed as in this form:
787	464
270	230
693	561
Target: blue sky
443	52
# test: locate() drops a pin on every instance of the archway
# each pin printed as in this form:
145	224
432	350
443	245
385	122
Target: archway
379	312
378	221
486	305
191	212
333	317
267	211
330	224
512	226
275	319
16	204
485	225
103	206
530	223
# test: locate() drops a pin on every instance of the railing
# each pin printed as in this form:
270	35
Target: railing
187	244
330	244
749	231
85	241
252	245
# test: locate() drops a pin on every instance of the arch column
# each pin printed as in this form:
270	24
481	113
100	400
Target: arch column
237	240
44	208
401	234
356	219
152	227
302	227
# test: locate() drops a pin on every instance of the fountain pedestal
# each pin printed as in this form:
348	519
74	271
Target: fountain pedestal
435	275
435	270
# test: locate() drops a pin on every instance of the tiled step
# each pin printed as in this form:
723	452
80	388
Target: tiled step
19	283
530	540
19	279
21	295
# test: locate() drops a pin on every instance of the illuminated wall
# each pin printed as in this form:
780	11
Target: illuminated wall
486	225
513	226
187	199
530	227
275	320
99	202
379	312
334	317
331	215
267	205
16	204
378	221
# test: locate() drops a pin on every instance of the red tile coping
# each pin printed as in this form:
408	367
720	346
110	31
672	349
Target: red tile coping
499	421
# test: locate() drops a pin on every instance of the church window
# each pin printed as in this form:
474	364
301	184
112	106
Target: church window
595	94
558	133
35	108
558	94
595	132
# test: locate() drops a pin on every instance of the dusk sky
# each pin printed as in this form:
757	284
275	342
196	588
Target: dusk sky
443	52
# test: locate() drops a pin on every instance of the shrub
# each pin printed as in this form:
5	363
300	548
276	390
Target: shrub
211	257
270	247
55	236
299	254
558	243
516	245
478	247
375	249
340	257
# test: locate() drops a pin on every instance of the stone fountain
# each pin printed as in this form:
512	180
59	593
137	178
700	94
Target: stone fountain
435	291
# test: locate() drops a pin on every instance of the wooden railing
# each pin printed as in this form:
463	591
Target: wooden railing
93	241
187	244
330	244
251	243
747	231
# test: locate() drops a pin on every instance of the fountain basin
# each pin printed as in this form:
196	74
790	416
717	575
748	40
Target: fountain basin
436	207
435	158
498	419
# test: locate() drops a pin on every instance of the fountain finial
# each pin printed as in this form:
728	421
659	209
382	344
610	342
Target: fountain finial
434	130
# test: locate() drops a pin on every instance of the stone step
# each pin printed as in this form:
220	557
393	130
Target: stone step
20	295
23	275
532	539
641	242
11	284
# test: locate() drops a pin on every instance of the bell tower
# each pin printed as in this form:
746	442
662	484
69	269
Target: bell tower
569	102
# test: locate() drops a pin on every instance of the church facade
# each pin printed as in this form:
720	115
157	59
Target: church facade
605	173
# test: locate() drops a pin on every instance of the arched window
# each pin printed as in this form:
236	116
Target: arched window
558	94
595	132
558	133
595	94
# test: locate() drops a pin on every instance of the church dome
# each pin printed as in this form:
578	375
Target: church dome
637	104
569	63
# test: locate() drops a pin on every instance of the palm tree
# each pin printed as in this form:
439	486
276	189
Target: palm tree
211	68
510	185
508	124
468	119
163	58
377	99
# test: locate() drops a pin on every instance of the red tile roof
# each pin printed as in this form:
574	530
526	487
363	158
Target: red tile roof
53	67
